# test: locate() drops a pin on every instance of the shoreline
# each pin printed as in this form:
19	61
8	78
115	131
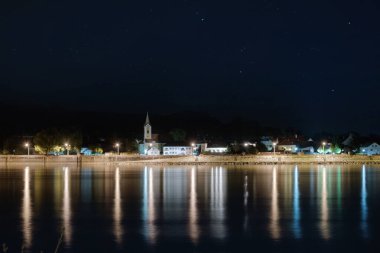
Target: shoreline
191	160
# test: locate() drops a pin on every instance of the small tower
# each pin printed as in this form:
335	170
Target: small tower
147	130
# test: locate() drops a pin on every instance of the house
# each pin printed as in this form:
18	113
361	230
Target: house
288	146
308	146
307	150
291	144
216	149
177	150
373	149
267	142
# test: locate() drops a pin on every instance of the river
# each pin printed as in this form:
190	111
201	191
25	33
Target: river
271	208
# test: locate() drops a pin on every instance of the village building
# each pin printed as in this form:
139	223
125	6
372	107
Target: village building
177	150
267	142
150	145
373	149
216	149
288	146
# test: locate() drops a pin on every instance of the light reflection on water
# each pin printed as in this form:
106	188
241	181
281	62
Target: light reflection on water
26	214
149	208
217	202
117	211
274	226
296	206
193	203
325	226
66	213
193	209
363	201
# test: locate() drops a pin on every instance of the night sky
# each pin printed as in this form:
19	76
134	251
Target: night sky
313	65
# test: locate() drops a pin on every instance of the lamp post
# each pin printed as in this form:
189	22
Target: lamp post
323	146
67	148
192	148
117	145
27	146
274	148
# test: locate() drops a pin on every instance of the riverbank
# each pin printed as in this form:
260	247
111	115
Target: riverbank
192	160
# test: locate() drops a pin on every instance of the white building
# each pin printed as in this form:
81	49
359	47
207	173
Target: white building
177	150
267	142
373	149
288	148
216	150
152	151
150	145
307	150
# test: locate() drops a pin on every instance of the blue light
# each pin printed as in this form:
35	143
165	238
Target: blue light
296	206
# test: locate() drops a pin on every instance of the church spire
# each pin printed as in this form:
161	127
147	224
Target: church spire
147	122
147	129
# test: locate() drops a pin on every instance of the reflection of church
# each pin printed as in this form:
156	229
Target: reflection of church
150	145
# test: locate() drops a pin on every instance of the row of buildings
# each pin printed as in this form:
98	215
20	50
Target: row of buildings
151	146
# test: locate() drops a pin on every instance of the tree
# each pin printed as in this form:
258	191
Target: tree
73	137
261	147
53	140
96	149
178	134
13	145
335	149
235	148
46	140
132	146
251	150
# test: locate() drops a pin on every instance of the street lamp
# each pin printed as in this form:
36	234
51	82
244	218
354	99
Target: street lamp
118	148
192	148
67	148
274	148
323	146
27	146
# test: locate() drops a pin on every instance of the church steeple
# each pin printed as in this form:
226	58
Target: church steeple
147	129
147	122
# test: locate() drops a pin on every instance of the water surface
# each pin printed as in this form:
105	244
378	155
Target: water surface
283	208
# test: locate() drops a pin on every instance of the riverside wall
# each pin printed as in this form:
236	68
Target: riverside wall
203	159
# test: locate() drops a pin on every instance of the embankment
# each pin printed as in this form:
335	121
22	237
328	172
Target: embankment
203	159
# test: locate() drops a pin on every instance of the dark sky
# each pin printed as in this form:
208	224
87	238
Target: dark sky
313	65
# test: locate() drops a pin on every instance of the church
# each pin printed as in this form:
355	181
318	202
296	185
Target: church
150	145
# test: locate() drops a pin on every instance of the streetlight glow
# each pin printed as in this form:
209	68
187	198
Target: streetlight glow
274	147
323	145
67	145
27	146
118	148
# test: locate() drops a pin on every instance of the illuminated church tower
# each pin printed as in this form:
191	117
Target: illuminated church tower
147	130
